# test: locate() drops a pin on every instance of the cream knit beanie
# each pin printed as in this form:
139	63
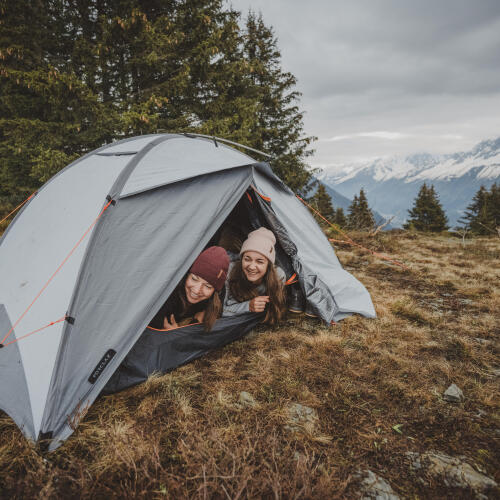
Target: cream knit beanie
261	240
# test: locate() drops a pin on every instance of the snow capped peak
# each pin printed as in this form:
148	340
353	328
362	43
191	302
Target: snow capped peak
487	148
482	161
392	183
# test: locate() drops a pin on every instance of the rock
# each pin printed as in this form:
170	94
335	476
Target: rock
374	487
455	472
246	399
482	341
414	459
301	417
480	414
466	301
453	394
423	482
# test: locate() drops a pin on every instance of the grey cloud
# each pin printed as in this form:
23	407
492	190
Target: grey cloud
423	46
418	67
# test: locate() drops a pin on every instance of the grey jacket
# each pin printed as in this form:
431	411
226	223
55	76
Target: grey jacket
231	306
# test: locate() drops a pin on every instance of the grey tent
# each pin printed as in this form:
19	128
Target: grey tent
91	258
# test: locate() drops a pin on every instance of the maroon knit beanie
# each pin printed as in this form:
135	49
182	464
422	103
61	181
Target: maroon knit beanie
212	265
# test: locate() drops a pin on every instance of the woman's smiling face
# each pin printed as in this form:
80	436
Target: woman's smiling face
254	265
197	289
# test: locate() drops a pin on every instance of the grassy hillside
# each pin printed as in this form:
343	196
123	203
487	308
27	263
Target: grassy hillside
376	386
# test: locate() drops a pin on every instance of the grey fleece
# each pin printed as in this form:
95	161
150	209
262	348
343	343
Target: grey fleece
232	307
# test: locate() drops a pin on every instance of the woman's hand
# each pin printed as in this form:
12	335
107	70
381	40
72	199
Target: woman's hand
199	316
258	304
170	325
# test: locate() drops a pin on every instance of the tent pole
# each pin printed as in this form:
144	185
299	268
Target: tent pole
226	141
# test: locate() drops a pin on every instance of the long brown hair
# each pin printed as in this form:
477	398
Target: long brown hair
242	290
212	306
212	312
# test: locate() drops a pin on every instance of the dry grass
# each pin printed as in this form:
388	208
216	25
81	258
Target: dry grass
186	435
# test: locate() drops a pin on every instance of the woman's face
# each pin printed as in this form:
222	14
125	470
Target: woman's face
254	266
197	289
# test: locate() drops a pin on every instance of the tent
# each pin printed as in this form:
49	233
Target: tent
90	259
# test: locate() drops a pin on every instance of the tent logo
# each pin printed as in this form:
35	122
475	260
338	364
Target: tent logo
96	372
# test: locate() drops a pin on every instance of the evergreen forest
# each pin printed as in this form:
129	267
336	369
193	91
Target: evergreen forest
76	75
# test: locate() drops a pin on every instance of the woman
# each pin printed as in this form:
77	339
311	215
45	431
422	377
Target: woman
255	284
196	299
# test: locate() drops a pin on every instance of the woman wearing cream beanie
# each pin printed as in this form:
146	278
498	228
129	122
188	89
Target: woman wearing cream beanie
255	284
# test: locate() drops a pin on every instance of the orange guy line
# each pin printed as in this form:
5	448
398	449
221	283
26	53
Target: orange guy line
56	271
349	240
18	207
35	331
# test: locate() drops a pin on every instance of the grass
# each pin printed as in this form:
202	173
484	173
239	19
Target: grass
376	385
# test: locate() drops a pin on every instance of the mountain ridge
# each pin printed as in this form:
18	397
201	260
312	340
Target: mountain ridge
392	183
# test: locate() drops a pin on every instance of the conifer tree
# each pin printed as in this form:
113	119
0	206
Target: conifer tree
427	213
322	202
352	213
75	75
278	128
482	216
340	218
360	215
495	205
47	115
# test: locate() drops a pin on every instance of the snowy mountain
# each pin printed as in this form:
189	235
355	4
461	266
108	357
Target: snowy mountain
392	183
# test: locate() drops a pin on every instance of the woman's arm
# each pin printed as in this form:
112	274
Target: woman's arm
231	307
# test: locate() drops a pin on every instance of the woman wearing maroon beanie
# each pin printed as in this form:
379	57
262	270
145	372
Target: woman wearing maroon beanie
196	299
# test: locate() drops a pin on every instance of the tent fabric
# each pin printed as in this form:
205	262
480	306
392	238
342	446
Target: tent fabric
51	225
202	156
159	352
134	265
169	194
315	254
14	394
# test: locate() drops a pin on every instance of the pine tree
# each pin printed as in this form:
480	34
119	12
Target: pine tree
352	214
340	218
476	217
427	213
278	128
482	216
495	205
360	215
75	75
48	116
365	217
322	202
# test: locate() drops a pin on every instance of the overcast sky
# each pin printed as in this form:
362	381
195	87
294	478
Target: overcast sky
383	77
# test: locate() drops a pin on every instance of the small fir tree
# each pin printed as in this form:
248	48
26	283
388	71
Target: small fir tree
322	202
352	213
427	213
495	205
482	216
340	218
360	215
476	215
